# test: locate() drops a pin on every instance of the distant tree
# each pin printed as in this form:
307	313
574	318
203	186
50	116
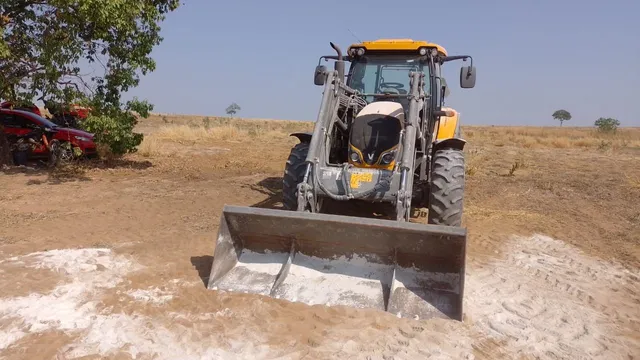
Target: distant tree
562	115
607	124
232	109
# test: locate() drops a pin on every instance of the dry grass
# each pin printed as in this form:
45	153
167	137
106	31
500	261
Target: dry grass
149	147
229	133
251	126
190	130
553	137
633	181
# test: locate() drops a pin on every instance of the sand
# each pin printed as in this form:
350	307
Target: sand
544	299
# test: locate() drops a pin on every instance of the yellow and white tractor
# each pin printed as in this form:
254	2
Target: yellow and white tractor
383	137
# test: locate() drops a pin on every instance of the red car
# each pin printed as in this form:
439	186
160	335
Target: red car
20	122
31	107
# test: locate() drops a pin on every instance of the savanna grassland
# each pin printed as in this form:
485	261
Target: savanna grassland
108	259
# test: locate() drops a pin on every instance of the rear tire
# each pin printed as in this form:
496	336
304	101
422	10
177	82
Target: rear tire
293	175
447	188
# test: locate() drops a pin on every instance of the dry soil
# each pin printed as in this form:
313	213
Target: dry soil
110	260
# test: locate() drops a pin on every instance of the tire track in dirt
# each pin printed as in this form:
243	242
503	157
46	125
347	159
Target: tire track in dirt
546	298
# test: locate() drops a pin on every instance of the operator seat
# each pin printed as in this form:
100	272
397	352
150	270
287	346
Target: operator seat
402	100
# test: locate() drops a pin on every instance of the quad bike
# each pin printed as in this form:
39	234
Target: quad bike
383	139
36	141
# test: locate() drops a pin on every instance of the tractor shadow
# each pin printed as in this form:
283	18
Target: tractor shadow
272	188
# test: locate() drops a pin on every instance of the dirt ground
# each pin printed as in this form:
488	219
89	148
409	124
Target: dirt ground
110	261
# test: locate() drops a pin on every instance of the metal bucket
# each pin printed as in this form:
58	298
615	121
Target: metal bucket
411	270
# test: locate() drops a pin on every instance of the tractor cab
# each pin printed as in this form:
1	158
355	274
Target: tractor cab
385	77
380	69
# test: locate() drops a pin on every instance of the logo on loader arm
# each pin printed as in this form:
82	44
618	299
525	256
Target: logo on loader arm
358	178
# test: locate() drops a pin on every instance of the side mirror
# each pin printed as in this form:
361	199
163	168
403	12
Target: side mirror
318	76
467	77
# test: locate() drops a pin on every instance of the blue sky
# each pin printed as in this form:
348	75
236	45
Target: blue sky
532	58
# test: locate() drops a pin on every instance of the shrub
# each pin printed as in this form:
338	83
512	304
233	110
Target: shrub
607	124
113	128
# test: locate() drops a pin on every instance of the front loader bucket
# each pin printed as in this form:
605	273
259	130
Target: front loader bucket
411	270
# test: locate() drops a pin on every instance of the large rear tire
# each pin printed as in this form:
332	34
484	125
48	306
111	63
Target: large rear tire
447	188
293	175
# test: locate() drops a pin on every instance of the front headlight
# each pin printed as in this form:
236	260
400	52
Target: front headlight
82	138
355	157
388	157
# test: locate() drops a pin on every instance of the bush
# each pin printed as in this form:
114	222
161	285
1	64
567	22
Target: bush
113	128
607	124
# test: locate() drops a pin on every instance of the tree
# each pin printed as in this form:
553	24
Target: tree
607	124
562	115
232	109
43	42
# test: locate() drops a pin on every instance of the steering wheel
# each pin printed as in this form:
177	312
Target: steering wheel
393	85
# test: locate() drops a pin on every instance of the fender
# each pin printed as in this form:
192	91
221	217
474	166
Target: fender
448	126
304	137
454	143
448	135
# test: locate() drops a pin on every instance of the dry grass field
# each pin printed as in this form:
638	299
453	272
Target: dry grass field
108	260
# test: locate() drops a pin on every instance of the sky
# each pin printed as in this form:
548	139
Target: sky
531	57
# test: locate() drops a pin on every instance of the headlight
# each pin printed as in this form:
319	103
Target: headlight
388	157
82	138
354	157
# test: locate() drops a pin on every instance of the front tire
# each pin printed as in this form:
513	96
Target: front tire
293	175
447	188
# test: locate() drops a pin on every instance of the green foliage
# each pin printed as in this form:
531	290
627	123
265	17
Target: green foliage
607	124
562	115
114	127
42	43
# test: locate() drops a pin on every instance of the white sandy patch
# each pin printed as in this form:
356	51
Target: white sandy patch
67	307
544	299
141	335
311	280
71	307
352	282
151	295
549	299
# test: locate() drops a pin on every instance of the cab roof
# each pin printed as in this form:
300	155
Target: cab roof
397	44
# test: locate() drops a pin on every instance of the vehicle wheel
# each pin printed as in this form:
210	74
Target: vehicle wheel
293	175
54	153
20	157
66	154
447	188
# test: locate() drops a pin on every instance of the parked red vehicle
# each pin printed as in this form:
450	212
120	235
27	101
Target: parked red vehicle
31	107
20	122
66	116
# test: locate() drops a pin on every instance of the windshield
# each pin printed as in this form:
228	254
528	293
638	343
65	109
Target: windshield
40	119
385	74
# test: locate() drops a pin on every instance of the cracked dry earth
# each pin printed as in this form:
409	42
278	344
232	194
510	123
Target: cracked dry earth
111	264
